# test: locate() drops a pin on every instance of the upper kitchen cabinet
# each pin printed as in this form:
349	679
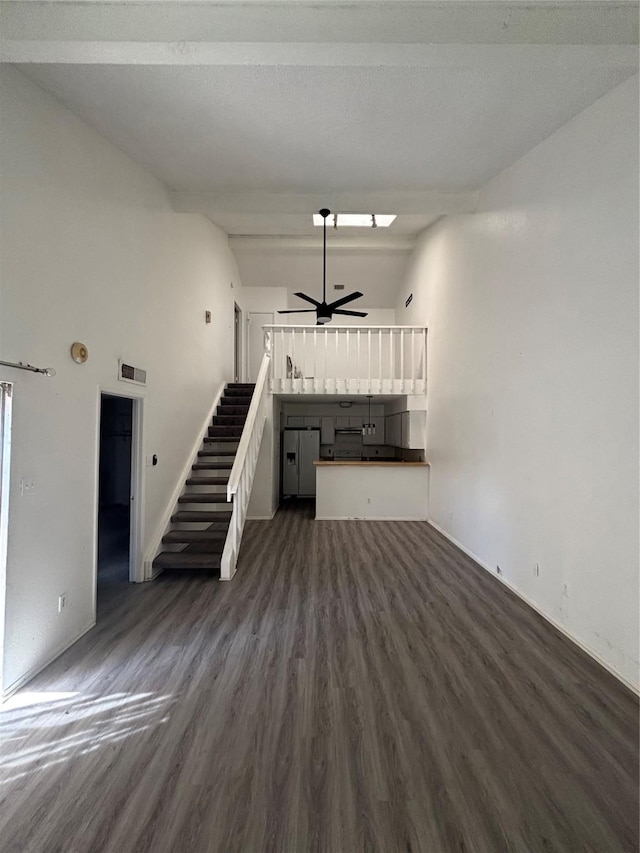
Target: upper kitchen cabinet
413	428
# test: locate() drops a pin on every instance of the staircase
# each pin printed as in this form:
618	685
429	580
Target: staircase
202	503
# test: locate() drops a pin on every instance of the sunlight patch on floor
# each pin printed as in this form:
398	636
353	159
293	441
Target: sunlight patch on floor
66	726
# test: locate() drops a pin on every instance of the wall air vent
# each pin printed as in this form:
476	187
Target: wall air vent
128	373
338	286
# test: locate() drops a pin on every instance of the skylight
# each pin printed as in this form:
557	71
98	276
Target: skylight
356	220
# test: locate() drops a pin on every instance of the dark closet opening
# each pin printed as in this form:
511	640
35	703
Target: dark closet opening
114	502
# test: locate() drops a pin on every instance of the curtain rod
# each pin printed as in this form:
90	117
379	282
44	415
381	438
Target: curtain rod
46	371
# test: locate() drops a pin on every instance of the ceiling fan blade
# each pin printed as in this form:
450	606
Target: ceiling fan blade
299	311
345	299
307	298
350	313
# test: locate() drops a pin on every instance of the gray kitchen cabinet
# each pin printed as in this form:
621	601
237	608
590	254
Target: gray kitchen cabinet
296	421
312	421
327	431
393	430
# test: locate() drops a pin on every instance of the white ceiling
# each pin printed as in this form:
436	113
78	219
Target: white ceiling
258	113
311	130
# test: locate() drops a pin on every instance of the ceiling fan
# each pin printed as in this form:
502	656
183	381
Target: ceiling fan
325	312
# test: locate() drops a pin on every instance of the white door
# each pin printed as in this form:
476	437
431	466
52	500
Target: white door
255	322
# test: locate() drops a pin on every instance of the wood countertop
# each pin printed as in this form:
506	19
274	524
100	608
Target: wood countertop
358	463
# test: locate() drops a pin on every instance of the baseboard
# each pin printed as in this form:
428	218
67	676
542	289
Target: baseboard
155	543
370	518
635	688
39	667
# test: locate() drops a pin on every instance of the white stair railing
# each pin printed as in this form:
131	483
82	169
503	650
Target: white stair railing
244	469
347	359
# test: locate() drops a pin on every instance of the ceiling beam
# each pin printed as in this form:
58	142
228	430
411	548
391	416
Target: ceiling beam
314	55
409	202
371	242
571	22
443	33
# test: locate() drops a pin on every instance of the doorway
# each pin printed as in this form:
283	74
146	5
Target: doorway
237	344
114	495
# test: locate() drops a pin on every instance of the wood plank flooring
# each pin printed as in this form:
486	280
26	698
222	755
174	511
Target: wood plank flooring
359	686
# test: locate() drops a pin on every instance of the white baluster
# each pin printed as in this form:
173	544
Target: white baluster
380	359
413	360
325	341
315	360
293	356
402	358
368	361
348	365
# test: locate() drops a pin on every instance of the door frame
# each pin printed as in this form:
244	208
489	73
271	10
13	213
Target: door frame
6	402
136	524
238	352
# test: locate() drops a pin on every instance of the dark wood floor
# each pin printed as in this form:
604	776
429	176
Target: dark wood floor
359	686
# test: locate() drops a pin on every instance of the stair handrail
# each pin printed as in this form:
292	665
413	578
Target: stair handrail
252	416
244	468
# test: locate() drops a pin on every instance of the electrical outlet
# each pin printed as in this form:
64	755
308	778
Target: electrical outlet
27	486
62	602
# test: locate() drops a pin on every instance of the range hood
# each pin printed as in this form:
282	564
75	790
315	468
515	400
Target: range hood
349	430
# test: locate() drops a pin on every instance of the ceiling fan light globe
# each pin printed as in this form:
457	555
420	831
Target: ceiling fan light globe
323	318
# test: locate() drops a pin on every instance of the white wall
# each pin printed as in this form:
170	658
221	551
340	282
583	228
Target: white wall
92	251
372	492
532	309
376	272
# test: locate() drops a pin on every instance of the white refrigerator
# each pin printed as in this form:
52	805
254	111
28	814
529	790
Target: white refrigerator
300	449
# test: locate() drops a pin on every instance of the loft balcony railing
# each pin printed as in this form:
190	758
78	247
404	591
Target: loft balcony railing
347	359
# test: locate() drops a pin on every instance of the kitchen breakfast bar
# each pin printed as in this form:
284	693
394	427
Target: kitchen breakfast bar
374	491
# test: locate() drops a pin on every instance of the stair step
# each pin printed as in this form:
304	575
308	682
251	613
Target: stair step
187	560
207	481
196	516
213	439
184	536
249	385
238	392
240	402
212	466
205	453
223	411
203	498
216	547
225	432
229	420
